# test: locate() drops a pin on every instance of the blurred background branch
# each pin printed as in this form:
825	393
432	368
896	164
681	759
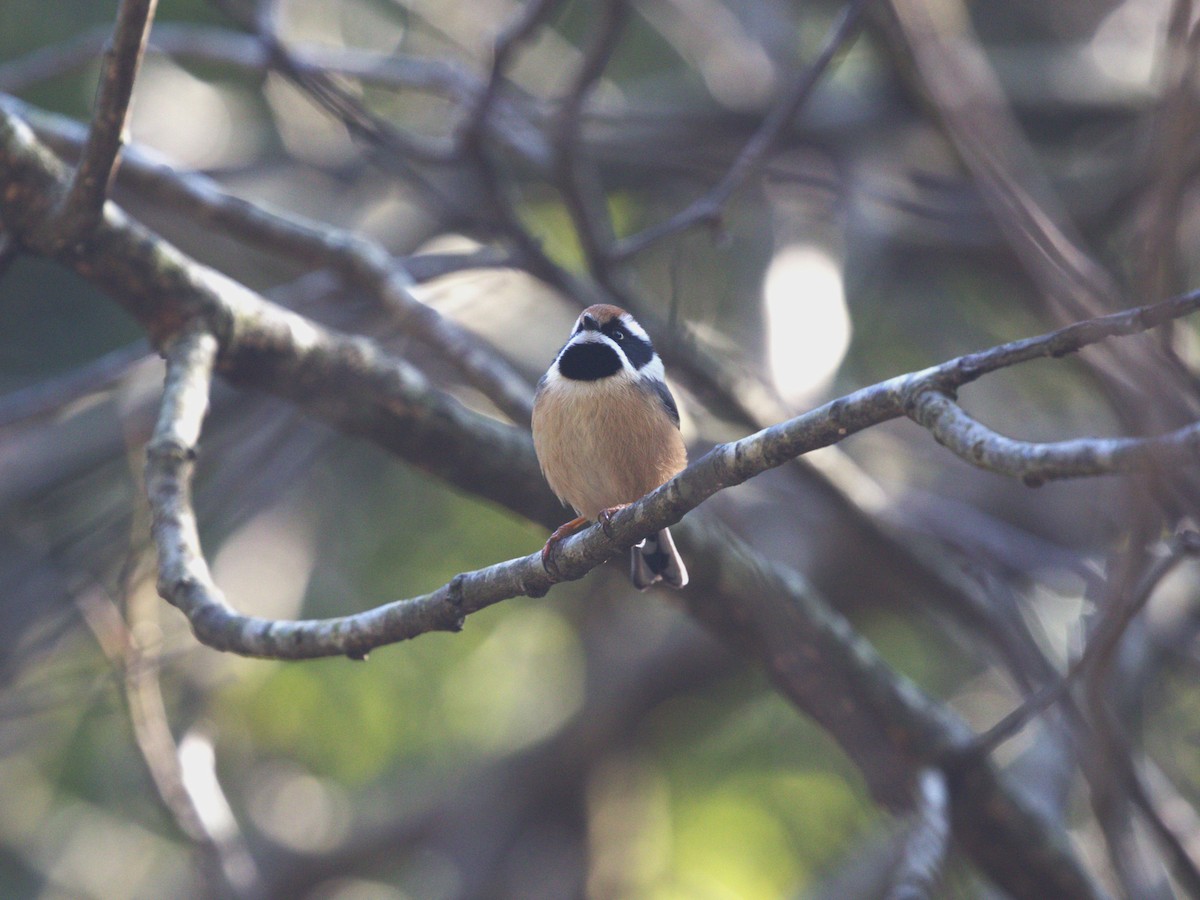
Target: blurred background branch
387	215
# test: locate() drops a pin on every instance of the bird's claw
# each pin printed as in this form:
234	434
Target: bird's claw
550	551
549	561
605	518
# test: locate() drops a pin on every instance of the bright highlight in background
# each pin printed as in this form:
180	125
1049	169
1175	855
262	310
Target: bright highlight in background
808	325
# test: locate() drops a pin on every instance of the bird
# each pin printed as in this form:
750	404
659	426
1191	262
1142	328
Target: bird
606	433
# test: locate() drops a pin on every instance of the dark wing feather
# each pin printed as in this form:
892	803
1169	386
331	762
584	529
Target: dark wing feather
663	393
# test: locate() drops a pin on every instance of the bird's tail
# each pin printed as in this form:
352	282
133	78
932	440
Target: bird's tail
656	559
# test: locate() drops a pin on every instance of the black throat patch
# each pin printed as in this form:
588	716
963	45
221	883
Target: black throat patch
589	361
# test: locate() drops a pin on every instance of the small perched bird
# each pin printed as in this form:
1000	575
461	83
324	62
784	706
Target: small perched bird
606	431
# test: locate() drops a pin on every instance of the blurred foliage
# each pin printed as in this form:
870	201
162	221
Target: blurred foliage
55	321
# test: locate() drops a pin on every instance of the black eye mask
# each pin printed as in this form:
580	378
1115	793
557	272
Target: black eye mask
637	350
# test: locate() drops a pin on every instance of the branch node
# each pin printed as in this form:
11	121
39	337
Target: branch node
530	582
454	597
169	450
172	588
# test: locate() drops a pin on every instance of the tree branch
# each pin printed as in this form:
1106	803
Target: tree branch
479	119
887	726
707	209
1131	591
294	357
83	204
342	379
1098	653
186	582
361	262
581	190
924	854
1037	463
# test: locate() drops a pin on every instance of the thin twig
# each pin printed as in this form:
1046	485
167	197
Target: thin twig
516	32
224	857
243	51
471	147
1036	463
84	203
404	147
707	209
513	125
1115	747
1175	123
578	183
1148	392
1101	646
956	74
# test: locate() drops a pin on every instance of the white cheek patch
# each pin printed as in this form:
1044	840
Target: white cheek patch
634	328
653	370
552	378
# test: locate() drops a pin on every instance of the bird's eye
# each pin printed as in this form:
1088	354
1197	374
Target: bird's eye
618	335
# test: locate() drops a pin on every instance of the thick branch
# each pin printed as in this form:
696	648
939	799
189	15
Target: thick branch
884	723
345	380
363	262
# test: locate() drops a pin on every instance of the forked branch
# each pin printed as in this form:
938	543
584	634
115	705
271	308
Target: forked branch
185	581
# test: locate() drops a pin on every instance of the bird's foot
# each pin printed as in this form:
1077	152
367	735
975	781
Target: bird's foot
550	551
605	517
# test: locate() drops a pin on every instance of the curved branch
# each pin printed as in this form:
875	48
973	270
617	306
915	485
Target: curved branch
1036	463
345	380
188	586
183	576
285	353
